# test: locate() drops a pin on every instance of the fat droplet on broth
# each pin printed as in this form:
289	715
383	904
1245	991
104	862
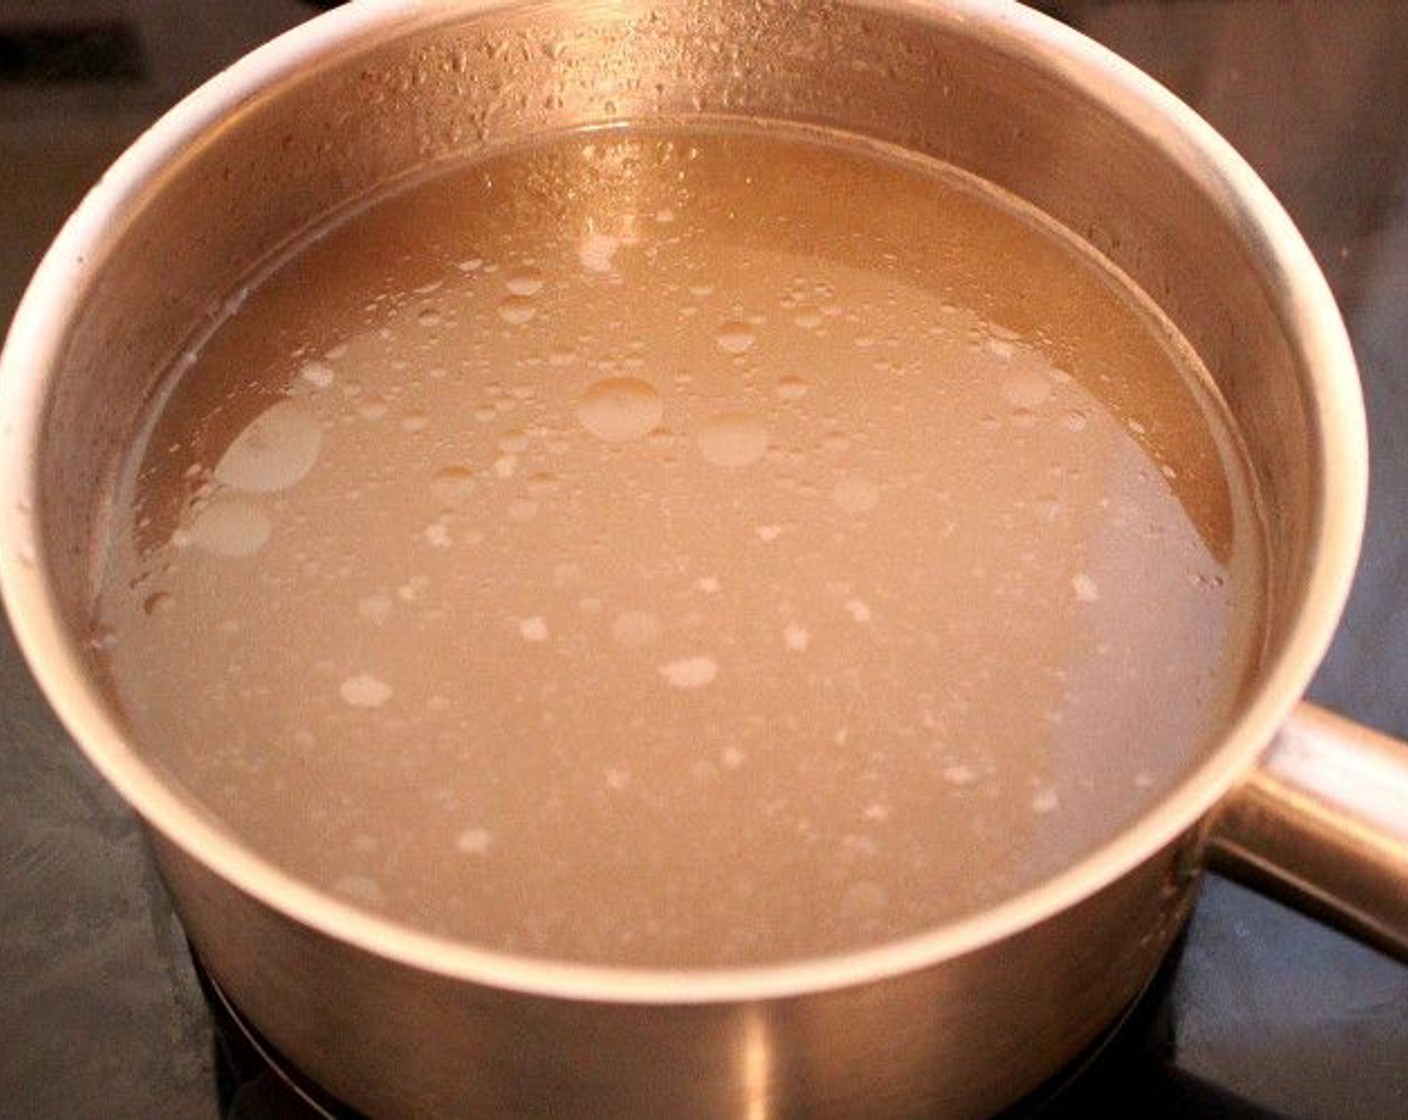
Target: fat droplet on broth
735	337
522	509
453	487
474	841
364	691
317	374
517	309
373	406
361	889
597	251
856	495
618	409
733	439
375	608
635	629
534	629
865	897
959	773
542	483
227	526
690	672
1025	388
274	451
858	609
525	280
796	637
791	388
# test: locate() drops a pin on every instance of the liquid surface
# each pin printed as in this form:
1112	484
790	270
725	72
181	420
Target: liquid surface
683	549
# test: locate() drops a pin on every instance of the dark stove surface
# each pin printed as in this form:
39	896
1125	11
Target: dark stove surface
1264	1014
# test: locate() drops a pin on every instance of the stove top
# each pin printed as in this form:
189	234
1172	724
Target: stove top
1262	1013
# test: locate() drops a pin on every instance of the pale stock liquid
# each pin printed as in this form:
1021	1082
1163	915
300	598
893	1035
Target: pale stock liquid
683	548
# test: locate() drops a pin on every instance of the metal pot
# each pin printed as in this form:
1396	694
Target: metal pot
959	1021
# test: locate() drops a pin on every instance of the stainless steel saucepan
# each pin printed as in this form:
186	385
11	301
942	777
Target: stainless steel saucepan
959	1021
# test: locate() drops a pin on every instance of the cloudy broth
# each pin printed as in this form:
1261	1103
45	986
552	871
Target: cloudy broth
683	548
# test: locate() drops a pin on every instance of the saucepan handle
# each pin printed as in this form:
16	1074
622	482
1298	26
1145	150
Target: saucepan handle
1322	824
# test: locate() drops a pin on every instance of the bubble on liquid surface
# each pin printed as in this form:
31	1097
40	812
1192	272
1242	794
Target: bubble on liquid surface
735	337
364	691
275	450
733	439
690	672
227	527
856	495
635	628
617	409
